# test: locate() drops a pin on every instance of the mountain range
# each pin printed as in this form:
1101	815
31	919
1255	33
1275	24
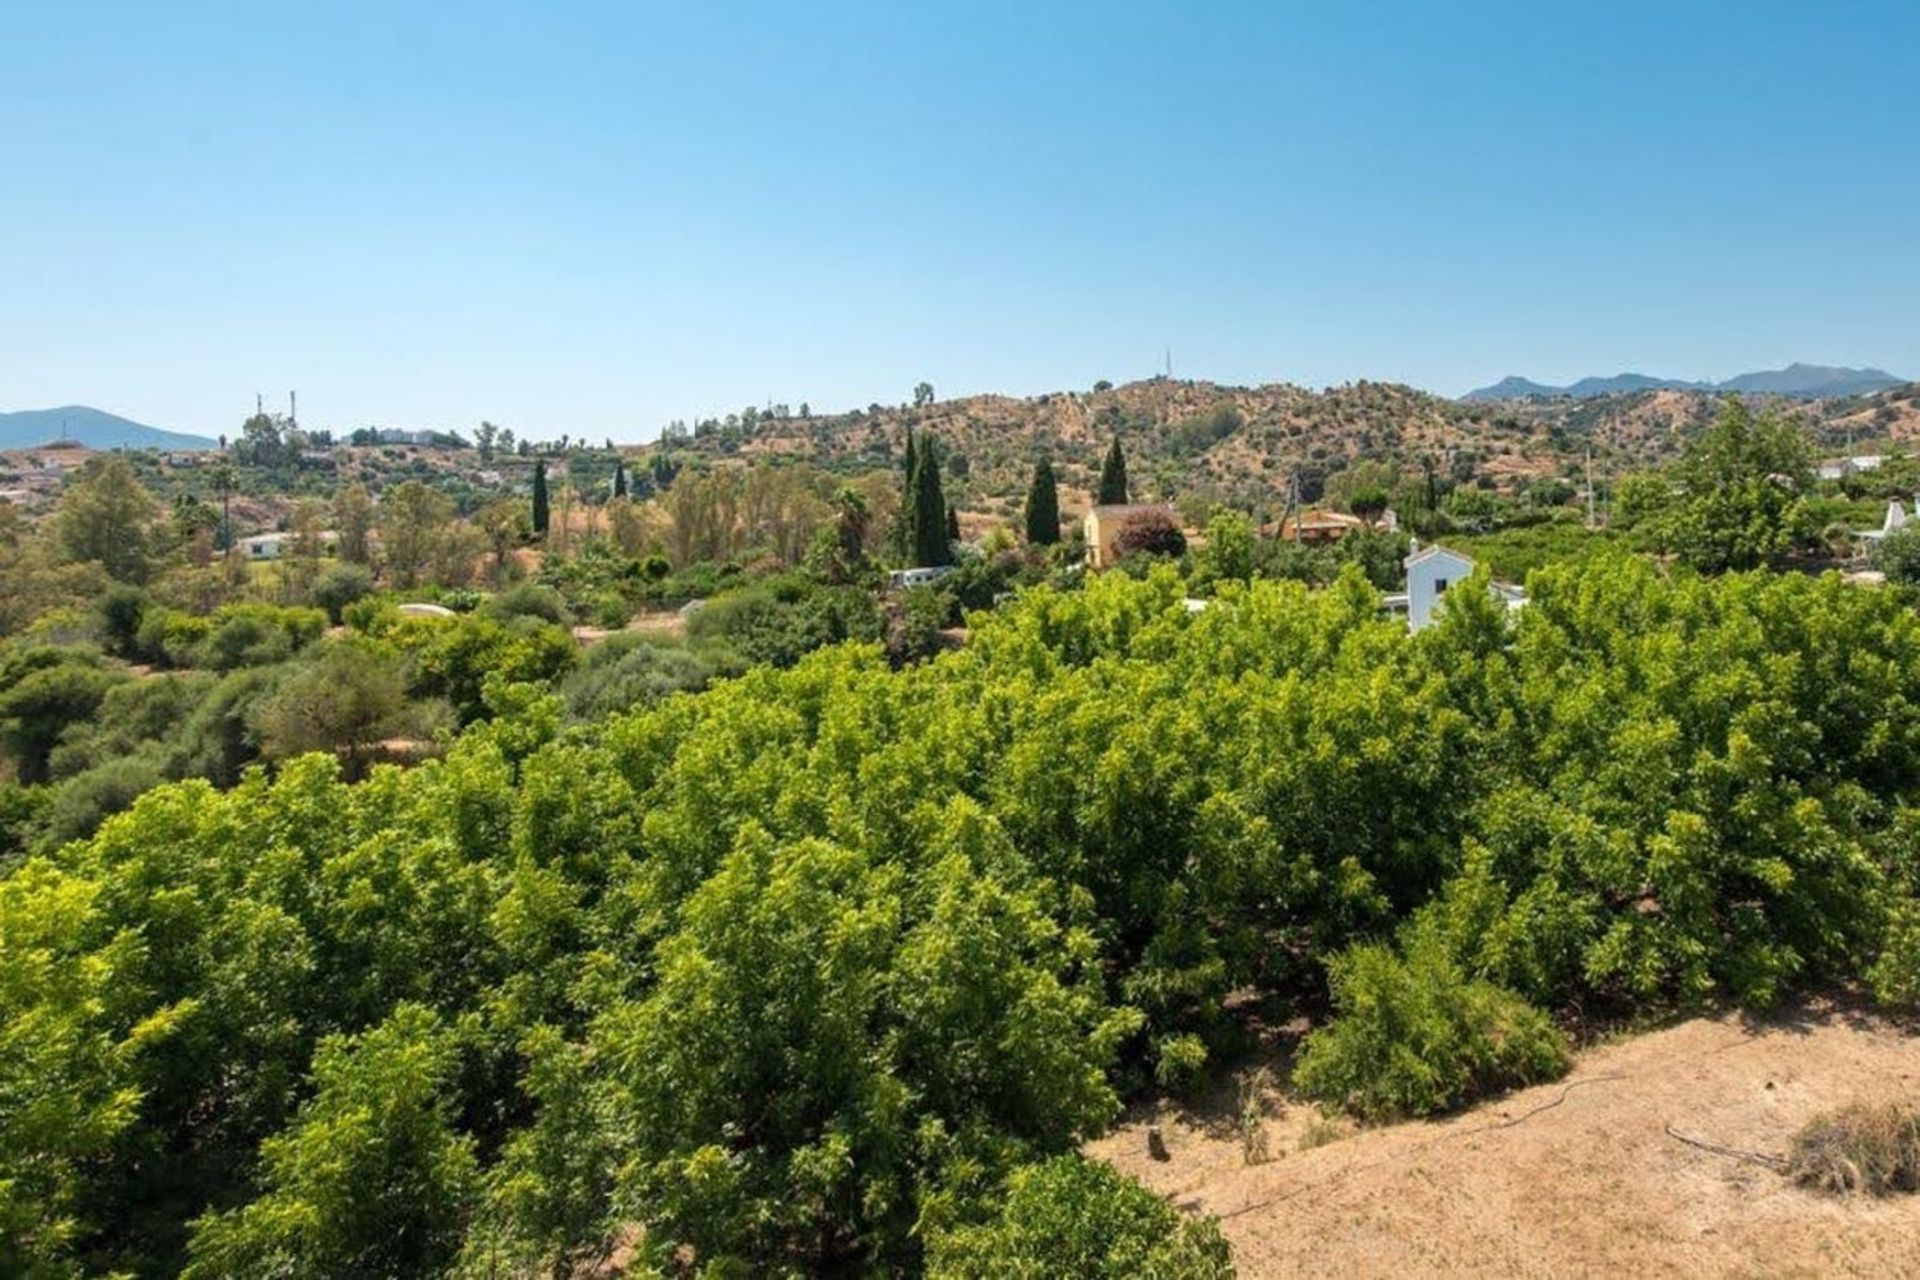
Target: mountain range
94	428
1805	381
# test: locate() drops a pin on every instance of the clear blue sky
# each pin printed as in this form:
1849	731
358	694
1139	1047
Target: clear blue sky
594	218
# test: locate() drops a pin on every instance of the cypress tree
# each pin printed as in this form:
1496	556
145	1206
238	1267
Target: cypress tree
905	539
953	526
1043	506
1113	477
931	545
619	478
540	499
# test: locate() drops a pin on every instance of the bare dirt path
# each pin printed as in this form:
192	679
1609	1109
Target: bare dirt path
1576	1178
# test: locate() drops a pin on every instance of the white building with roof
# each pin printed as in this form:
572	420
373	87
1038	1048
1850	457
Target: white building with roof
1430	571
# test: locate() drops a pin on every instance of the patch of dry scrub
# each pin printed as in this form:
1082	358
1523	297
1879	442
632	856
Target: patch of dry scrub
1871	1149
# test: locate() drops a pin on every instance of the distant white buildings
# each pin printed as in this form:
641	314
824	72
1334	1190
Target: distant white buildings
401	435
269	546
903	579
1841	468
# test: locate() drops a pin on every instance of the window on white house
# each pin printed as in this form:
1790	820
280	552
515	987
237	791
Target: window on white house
1439	585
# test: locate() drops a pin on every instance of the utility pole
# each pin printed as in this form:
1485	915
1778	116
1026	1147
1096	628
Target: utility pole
1590	523
293	408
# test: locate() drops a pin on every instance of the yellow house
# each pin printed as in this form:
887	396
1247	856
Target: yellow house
1104	525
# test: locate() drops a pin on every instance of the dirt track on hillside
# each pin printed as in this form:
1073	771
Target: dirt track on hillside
1575	1178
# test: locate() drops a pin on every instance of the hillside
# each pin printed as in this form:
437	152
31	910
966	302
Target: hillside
94	428
1801	381
1184	439
1207	442
1641	428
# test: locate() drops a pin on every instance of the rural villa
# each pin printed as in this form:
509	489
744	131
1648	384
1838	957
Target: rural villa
1319	527
1106	524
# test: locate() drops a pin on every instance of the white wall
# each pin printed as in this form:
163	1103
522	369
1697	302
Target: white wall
1430	575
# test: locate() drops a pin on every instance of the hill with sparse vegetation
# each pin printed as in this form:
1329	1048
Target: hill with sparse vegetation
1203	443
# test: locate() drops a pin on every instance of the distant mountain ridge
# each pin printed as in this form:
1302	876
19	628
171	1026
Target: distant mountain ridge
1808	381
94	428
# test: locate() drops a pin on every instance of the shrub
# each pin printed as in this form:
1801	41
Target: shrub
1415	1036
120	611
339	585
1152	533
1898	556
915	632
1873	1149
219	739
1895	976
1076	1217
529	600
629	670
241	635
781	620
83	802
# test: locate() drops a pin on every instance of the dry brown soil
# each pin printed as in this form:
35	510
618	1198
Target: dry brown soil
1577	1178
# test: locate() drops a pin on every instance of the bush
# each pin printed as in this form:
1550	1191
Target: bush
629	670
1416	1036
452	657
915	632
1076	1217
1152	533
1895	976
339	585
238	635
781	620
83	802
529	600
120	611
1898	556
1859	1149
219	739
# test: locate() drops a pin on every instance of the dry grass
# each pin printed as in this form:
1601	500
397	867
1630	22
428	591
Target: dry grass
1253	1089
1860	1149
1576	1178
1318	1133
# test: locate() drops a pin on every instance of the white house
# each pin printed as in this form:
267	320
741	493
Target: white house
270	546
262	546
903	579
1430	571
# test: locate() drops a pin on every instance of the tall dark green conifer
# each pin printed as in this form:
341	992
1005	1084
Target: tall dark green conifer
619	478
540	499
1113	477
928	530
1043	506
953	526
903	536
